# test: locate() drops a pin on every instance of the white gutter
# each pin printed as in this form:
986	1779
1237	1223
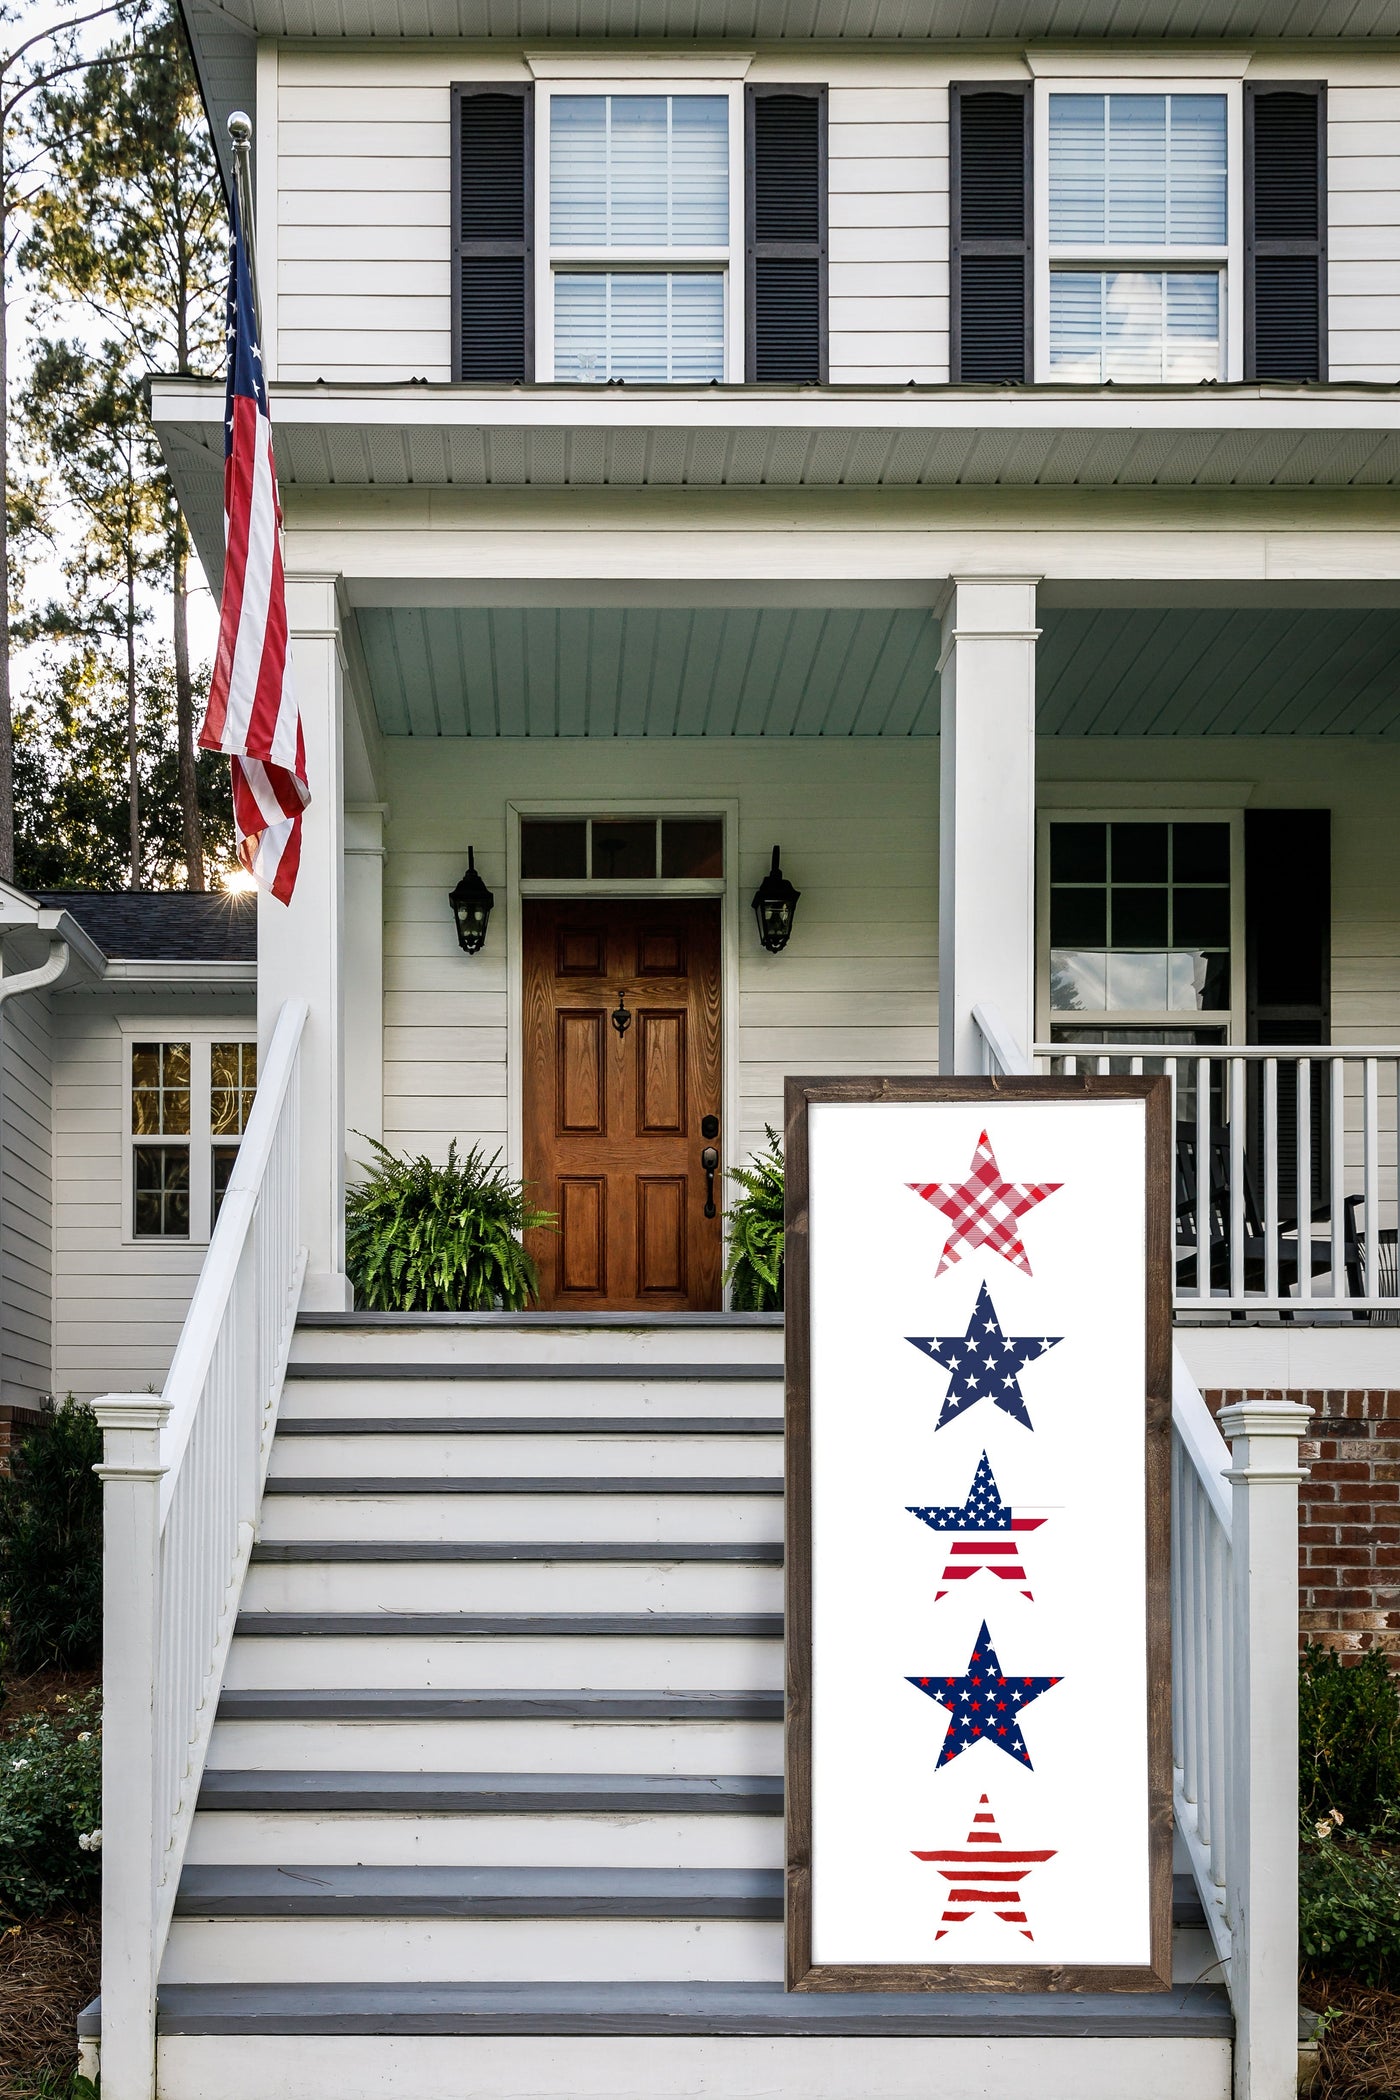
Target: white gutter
60	955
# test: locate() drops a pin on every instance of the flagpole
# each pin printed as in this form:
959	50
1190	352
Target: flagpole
240	131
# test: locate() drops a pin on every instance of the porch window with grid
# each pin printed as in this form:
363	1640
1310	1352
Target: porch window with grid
1140	926
639	232
1139	237
189	1105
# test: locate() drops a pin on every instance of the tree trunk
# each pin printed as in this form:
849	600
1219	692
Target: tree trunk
7	748
191	827
133	777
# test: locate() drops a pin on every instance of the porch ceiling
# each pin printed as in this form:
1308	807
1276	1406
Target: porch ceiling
514	671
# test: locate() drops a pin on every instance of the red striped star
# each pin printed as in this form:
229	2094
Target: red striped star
984	1875
984	1208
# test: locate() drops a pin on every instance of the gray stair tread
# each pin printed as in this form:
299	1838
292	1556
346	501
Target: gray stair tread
550	1373
493	1793
520	1484
474	1625
1183	2013
295	1891
583	1426
538	1322
482	1705
753	1552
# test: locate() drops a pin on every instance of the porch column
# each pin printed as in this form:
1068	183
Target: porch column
364	978
986	847
301	944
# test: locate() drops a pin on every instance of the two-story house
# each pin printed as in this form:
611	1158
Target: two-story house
945	456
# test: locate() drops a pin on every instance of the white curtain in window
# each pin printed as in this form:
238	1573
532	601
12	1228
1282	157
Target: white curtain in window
1137	170
1140	327
650	326
639	171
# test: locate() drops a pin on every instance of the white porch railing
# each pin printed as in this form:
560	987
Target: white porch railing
182	1478
1287	1192
1234	1593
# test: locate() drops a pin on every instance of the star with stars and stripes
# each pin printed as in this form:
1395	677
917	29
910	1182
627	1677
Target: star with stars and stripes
984	1209
985	1875
985	1523
985	1363
985	1704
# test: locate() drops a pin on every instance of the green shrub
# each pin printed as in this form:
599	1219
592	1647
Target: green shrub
424	1238
1349	1899
51	1544
755	1266
51	1810
1348	1736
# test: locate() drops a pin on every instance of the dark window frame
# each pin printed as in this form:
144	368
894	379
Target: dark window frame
756	251
980	245
1313	245
462	246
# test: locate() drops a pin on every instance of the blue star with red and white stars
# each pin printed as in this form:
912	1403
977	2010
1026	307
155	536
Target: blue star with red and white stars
985	1704
984	1362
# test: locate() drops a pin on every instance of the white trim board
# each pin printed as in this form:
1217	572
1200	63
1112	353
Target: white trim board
1330	1358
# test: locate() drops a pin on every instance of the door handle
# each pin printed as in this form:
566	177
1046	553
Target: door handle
709	1160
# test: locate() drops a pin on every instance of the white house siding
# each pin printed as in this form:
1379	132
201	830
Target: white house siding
26	1199
359	247
118	1307
855	989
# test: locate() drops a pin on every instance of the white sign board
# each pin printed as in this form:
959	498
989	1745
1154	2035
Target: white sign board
978	1348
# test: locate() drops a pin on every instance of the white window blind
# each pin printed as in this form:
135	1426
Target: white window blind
648	326
1140	327
639	171
1138	171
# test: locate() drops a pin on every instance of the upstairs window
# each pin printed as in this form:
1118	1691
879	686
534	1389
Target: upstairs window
1139	237
640	237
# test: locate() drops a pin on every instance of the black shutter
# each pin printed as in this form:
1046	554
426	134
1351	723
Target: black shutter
990	233
785	235
1288	973
1285	213
492	226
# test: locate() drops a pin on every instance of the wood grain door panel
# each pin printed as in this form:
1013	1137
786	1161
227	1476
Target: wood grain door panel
612	1121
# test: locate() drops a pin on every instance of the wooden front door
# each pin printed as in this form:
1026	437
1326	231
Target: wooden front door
613	1120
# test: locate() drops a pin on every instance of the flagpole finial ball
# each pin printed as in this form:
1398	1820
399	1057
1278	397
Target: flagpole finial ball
240	128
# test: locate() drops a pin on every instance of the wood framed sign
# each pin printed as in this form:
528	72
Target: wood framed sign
978	1281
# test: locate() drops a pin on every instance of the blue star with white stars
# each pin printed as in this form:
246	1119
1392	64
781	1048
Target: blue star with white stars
984	1362
984	1704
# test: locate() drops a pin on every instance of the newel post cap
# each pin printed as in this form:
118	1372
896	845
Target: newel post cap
1268	1431
131	1425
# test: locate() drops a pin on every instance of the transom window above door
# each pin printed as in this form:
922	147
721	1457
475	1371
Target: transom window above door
1140	920
621	849
639	236
1139	239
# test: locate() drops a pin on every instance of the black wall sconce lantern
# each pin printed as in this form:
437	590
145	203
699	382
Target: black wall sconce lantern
775	907
471	903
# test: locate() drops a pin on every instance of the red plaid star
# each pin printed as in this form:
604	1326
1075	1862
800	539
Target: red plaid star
984	1208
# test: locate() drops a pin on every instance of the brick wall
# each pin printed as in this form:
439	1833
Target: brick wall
1349	1518
15	1425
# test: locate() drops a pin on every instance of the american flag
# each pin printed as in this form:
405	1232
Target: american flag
985	1875
986	1364
986	1523
984	1208
251	715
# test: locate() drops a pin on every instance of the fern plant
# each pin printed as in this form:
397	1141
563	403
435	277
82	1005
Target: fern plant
754	1270
426	1238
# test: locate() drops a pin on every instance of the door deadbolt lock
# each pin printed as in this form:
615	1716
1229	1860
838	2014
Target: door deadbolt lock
709	1126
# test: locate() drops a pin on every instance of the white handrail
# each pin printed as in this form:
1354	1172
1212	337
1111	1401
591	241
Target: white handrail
182	1478
1002	1055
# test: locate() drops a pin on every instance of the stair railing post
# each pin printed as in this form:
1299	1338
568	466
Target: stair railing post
131	1474
1263	1851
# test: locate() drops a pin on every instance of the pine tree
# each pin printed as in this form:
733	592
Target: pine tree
130	223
